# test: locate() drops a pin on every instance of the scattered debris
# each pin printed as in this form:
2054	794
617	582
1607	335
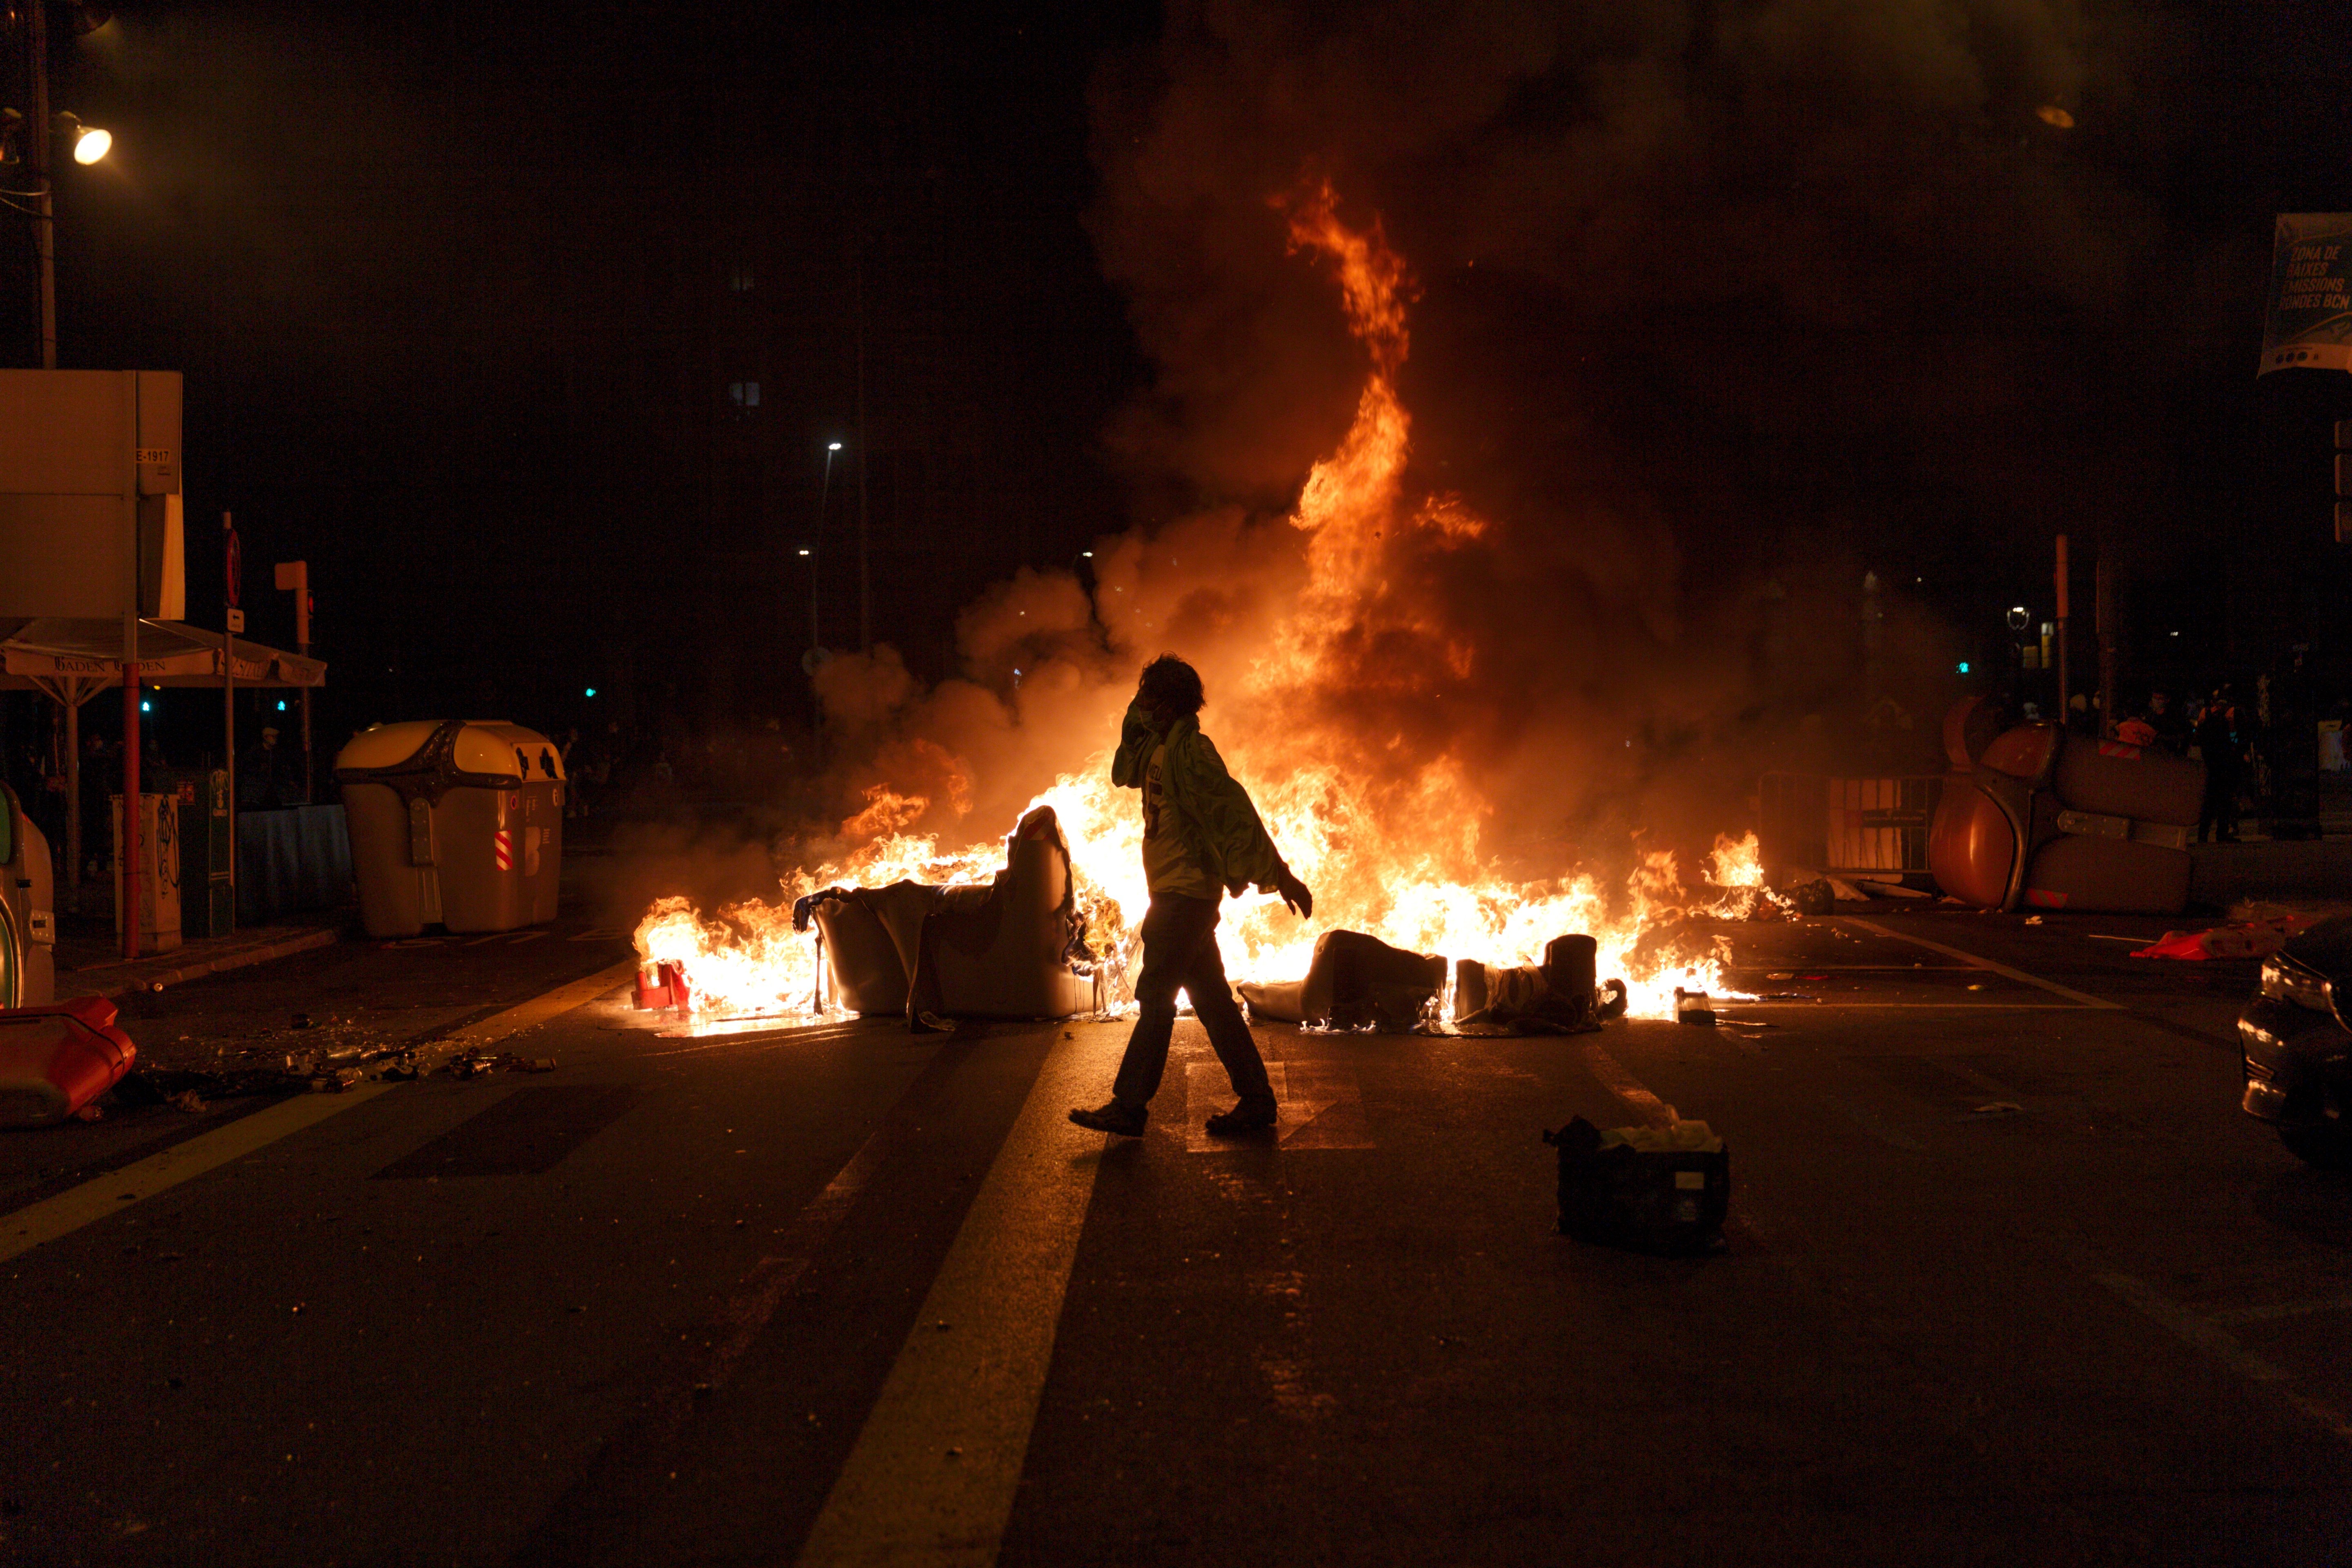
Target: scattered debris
1999	1107
1694	1008
188	1099
1813	897
2246	939
300	1021
475	1063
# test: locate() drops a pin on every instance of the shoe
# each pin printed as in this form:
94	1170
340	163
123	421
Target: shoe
1249	1116
1112	1118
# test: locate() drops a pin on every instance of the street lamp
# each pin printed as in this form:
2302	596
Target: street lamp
89	142
88	145
825	492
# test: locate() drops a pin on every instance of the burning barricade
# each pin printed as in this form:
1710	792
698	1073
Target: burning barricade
1047	936
1349	703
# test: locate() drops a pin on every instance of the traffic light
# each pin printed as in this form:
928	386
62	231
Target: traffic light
2344	481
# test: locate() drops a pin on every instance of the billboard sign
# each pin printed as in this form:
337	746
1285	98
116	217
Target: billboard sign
2308	322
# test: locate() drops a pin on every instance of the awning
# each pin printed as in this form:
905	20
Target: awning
72	659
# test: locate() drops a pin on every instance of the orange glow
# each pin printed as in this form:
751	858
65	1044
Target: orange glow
1401	861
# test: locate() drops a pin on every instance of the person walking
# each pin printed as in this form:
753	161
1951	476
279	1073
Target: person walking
1202	840
2217	743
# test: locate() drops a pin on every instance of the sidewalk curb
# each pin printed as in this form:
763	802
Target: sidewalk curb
214	965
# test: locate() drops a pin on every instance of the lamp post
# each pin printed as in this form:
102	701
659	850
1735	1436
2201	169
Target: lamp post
88	145
825	492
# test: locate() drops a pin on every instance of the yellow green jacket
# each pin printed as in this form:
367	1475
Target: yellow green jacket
1214	811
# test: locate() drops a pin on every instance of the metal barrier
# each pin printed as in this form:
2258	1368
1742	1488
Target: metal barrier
1840	824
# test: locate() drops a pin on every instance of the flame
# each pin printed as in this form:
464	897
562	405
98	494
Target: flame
1402	862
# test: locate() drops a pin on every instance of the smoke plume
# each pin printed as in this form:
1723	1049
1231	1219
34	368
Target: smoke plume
1705	311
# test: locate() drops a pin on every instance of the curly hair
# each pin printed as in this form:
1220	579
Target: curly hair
1169	682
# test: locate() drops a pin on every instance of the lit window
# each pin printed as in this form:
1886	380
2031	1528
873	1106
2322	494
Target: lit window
740	278
743	394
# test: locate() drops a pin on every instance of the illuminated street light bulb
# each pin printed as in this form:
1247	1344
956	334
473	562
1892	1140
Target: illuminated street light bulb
805	553
833	446
89	142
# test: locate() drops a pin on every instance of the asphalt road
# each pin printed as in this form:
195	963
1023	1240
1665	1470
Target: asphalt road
2009	1279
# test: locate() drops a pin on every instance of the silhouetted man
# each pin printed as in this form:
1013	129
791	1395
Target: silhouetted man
2218	744
1202	838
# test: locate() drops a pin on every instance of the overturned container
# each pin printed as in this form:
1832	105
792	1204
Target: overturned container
454	821
57	1059
2031	816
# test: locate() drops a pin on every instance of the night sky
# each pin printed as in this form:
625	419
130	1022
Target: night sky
470	301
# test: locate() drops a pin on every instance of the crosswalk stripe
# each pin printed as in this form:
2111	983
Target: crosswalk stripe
1977	961
930	1481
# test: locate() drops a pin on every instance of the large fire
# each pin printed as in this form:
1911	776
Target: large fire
1403	863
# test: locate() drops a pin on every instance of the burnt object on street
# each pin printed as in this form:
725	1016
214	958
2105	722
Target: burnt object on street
1014	949
1558	996
55	1060
1694	1008
1353	982
1661	1190
2032	817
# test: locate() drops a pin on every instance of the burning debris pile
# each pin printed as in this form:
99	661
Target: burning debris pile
1338	686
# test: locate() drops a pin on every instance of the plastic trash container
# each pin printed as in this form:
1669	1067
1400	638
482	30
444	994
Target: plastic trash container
453	822
57	1058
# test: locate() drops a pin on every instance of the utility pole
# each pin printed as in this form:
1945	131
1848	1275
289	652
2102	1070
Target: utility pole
233	622
865	579
127	906
2104	591
36	144
2065	695
295	575
816	543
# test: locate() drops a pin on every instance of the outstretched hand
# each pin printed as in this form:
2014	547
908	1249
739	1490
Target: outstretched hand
1296	894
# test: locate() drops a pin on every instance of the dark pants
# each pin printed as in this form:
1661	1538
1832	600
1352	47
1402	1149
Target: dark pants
2220	818
1180	954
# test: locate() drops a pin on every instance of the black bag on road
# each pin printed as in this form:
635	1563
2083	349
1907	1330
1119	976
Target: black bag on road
1661	1190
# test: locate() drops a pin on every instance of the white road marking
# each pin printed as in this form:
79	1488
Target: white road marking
77	1206
1625	1085
2207	1335
933	1476
1317	1106
764	1039
2272	1314
1977	961
1842	1004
